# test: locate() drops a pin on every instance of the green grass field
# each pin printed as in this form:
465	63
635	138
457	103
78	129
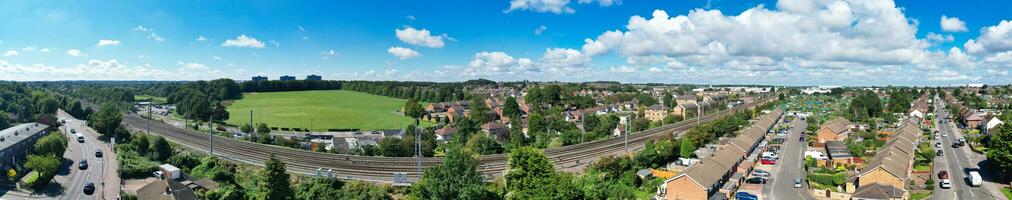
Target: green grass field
320	110
158	100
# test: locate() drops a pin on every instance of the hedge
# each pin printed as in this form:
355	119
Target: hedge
828	179
132	165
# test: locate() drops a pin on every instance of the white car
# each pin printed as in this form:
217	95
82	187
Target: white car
945	183
797	183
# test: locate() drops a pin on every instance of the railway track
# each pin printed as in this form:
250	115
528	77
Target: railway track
382	169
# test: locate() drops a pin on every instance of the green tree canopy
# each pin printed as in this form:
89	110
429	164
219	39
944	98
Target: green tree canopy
456	178
106	120
273	183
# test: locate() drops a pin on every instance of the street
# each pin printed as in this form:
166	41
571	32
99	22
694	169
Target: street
789	166
957	161
100	171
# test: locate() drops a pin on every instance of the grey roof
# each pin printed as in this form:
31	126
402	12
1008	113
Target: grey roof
712	169
838	125
20	132
896	156
878	191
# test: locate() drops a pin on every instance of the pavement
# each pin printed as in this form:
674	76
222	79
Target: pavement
100	171
956	162
790	165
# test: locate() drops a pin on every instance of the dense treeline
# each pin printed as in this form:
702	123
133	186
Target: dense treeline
864	106
421	91
296	85
28	104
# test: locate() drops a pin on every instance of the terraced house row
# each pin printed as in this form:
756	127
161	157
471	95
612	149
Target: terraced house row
888	174
721	173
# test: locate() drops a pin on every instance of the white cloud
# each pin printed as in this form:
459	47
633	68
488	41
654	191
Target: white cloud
200	38
498	64
410	17
540	29
243	41
29	48
191	66
939	38
11	53
420	37
216	57
623	69
553	6
75	52
992	39
403	53
106	42
142	29
275	43
555	64
44	50
953	24
329	53
155	37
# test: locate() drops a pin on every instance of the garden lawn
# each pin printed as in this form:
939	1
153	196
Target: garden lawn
157	100
320	110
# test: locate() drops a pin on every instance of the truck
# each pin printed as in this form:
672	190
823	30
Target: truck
975	179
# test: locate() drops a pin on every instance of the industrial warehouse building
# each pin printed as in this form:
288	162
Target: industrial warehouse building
16	141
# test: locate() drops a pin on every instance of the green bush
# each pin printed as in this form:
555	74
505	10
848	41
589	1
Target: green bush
828	179
132	165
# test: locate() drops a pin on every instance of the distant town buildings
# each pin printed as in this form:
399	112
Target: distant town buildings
287	78
314	77
259	78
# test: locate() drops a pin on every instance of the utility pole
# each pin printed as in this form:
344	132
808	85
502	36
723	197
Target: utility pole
251	126
418	147
210	131
628	122
583	130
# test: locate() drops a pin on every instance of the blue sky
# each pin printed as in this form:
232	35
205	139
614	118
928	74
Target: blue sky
788	42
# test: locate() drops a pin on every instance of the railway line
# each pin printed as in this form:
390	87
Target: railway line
383	169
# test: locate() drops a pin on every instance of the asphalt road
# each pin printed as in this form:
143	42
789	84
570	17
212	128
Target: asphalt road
98	172
789	166
956	162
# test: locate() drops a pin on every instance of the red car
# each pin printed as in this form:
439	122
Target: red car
768	161
943	174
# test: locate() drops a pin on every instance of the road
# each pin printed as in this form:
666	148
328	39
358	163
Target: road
956	161
100	171
789	166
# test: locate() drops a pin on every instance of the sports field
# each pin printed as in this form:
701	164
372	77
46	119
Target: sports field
320	110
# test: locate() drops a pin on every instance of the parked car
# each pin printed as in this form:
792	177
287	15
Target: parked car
756	180
770	155
761	171
768	161
797	183
938	145
938	153
761	174
943	174
945	183
89	188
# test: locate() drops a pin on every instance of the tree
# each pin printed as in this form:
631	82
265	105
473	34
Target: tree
456	178
141	143
687	149
160	149
46	166
53	144
484	145
219	113
413	109
273	183
511	108
106	120
49	105
4	124
530	175
1000	148
246	128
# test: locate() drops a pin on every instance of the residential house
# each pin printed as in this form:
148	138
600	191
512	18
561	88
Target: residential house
684	99
656	112
445	133
838	153
990	124
836	129
496	130
455	113
686	110
891	168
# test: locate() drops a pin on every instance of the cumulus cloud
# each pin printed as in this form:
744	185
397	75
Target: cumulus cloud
953	24
420	37
155	37
106	42
540	29
567	64
992	39
142	29
200	38
44	50
243	41
10	53
939	38
403	53
75	52
30	48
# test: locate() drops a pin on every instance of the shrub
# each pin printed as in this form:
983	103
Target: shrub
132	165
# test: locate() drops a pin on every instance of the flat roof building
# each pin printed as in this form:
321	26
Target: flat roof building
287	78
314	77
259	78
17	140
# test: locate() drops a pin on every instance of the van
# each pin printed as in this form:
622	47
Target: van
975	179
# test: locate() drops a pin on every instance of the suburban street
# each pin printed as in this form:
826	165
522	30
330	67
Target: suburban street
957	162
789	166
100	171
